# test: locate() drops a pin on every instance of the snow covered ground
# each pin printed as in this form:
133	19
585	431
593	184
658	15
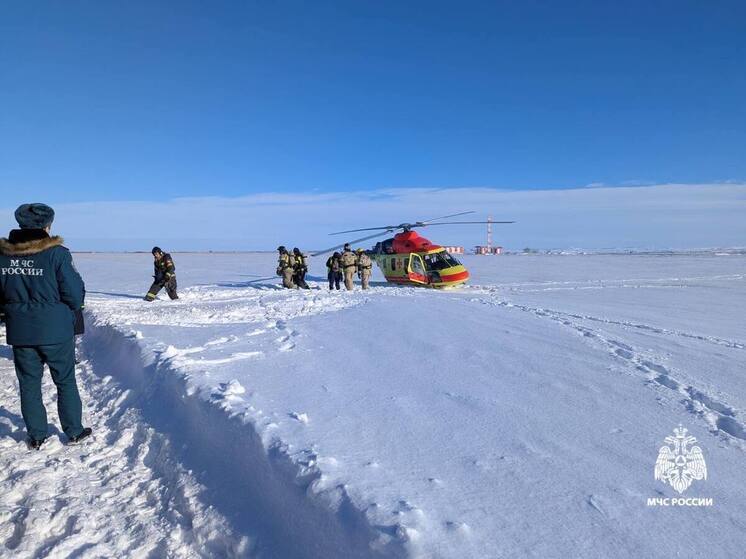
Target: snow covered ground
519	416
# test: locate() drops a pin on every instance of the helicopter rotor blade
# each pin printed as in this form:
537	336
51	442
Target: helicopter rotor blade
459	223
404	225
446	216
387	228
326	250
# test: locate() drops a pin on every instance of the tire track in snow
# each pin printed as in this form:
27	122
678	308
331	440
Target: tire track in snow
718	415
118	495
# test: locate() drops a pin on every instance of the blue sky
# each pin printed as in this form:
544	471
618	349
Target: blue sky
677	216
150	101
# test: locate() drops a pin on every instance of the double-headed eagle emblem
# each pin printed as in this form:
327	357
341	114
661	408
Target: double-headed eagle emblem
680	463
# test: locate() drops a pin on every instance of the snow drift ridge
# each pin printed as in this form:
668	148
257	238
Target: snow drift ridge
264	493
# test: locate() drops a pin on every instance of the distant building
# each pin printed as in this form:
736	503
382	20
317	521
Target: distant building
483	249
454	249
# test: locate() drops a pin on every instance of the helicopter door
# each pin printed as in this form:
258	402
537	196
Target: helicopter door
416	269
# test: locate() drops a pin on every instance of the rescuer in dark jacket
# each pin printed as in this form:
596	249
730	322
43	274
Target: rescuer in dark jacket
164	276
41	292
300	269
334	268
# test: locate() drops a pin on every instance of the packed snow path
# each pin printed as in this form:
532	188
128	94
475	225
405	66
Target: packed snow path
120	494
518	417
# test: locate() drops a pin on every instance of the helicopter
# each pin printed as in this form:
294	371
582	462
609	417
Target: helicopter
410	259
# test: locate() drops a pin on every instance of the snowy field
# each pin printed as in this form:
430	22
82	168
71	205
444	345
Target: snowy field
519	416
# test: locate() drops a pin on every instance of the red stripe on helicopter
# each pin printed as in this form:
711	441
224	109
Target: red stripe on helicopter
455	277
414	277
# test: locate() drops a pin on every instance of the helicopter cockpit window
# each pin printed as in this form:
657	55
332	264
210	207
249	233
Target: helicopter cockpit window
440	261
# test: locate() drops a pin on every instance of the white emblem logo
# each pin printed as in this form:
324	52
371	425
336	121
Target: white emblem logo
679	463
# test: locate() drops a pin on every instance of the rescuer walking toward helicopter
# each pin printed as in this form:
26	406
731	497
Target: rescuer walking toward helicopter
349	266
364	267
286	267
300	269
334	267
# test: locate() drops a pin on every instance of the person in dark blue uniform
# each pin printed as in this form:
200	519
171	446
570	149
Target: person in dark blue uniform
41	292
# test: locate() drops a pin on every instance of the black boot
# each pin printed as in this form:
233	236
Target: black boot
83	435
34	444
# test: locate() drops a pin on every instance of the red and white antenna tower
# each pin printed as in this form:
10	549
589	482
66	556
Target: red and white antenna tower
489	234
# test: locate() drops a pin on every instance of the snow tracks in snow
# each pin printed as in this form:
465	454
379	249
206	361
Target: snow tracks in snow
721	417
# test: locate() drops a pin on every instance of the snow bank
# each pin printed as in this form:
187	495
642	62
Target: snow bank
261	489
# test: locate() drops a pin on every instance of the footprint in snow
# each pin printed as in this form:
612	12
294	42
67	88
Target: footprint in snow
301	417
229	389
460	528
623	353
405	506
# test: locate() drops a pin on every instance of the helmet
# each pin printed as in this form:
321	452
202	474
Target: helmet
282	248
296	250
347	246
156	250
359	250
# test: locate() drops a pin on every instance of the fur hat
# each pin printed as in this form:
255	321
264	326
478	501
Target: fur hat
34	216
